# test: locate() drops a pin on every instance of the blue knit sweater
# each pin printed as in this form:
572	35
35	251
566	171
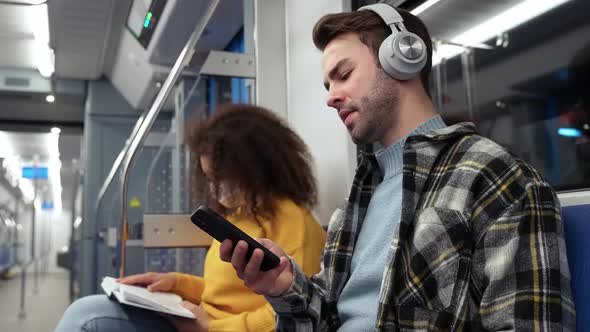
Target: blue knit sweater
358	302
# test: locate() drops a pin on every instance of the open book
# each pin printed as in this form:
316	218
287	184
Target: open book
141	297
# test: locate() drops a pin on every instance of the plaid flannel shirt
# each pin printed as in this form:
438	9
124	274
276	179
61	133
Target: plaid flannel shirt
479	247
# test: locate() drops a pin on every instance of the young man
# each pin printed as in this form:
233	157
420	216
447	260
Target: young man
443	230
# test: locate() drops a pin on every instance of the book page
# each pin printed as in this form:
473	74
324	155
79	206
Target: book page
156	299
143	298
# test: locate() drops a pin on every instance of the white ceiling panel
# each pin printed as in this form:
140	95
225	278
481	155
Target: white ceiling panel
16	37
17	54
79	33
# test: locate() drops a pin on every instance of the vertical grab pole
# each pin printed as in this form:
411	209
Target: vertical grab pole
33	231
23	281
468	66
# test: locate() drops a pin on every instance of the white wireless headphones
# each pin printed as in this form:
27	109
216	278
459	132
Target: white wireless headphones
402	54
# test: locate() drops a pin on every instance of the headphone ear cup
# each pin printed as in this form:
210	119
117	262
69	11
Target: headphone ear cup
395	63
386	56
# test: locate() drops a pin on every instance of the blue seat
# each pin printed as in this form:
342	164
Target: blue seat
576	220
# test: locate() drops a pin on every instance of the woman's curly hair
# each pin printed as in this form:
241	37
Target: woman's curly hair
253	150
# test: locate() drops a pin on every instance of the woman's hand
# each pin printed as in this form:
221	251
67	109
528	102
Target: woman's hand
200	324
155	282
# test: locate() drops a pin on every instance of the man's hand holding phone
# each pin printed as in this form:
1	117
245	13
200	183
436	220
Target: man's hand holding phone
273	282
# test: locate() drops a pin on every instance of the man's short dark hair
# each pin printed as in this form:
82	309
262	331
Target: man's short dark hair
372	31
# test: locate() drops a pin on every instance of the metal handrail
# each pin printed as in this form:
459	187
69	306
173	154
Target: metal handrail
182	61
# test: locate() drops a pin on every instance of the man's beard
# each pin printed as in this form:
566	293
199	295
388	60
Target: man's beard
378	108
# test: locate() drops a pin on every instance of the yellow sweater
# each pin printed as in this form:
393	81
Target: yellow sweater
231	305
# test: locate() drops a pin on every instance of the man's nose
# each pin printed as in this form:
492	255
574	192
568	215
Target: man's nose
335	99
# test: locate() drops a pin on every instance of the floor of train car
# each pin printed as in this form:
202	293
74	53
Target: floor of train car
43	310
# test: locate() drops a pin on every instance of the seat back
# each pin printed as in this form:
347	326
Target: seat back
576	220
172	231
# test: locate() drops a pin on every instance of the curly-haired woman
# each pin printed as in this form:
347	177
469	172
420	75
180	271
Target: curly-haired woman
258	173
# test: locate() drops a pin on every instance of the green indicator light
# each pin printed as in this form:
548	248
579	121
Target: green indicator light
148	18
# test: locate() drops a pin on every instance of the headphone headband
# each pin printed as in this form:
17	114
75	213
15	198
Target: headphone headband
389	16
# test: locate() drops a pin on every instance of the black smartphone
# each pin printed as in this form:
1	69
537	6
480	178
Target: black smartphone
220	229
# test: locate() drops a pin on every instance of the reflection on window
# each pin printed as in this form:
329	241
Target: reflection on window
531	93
